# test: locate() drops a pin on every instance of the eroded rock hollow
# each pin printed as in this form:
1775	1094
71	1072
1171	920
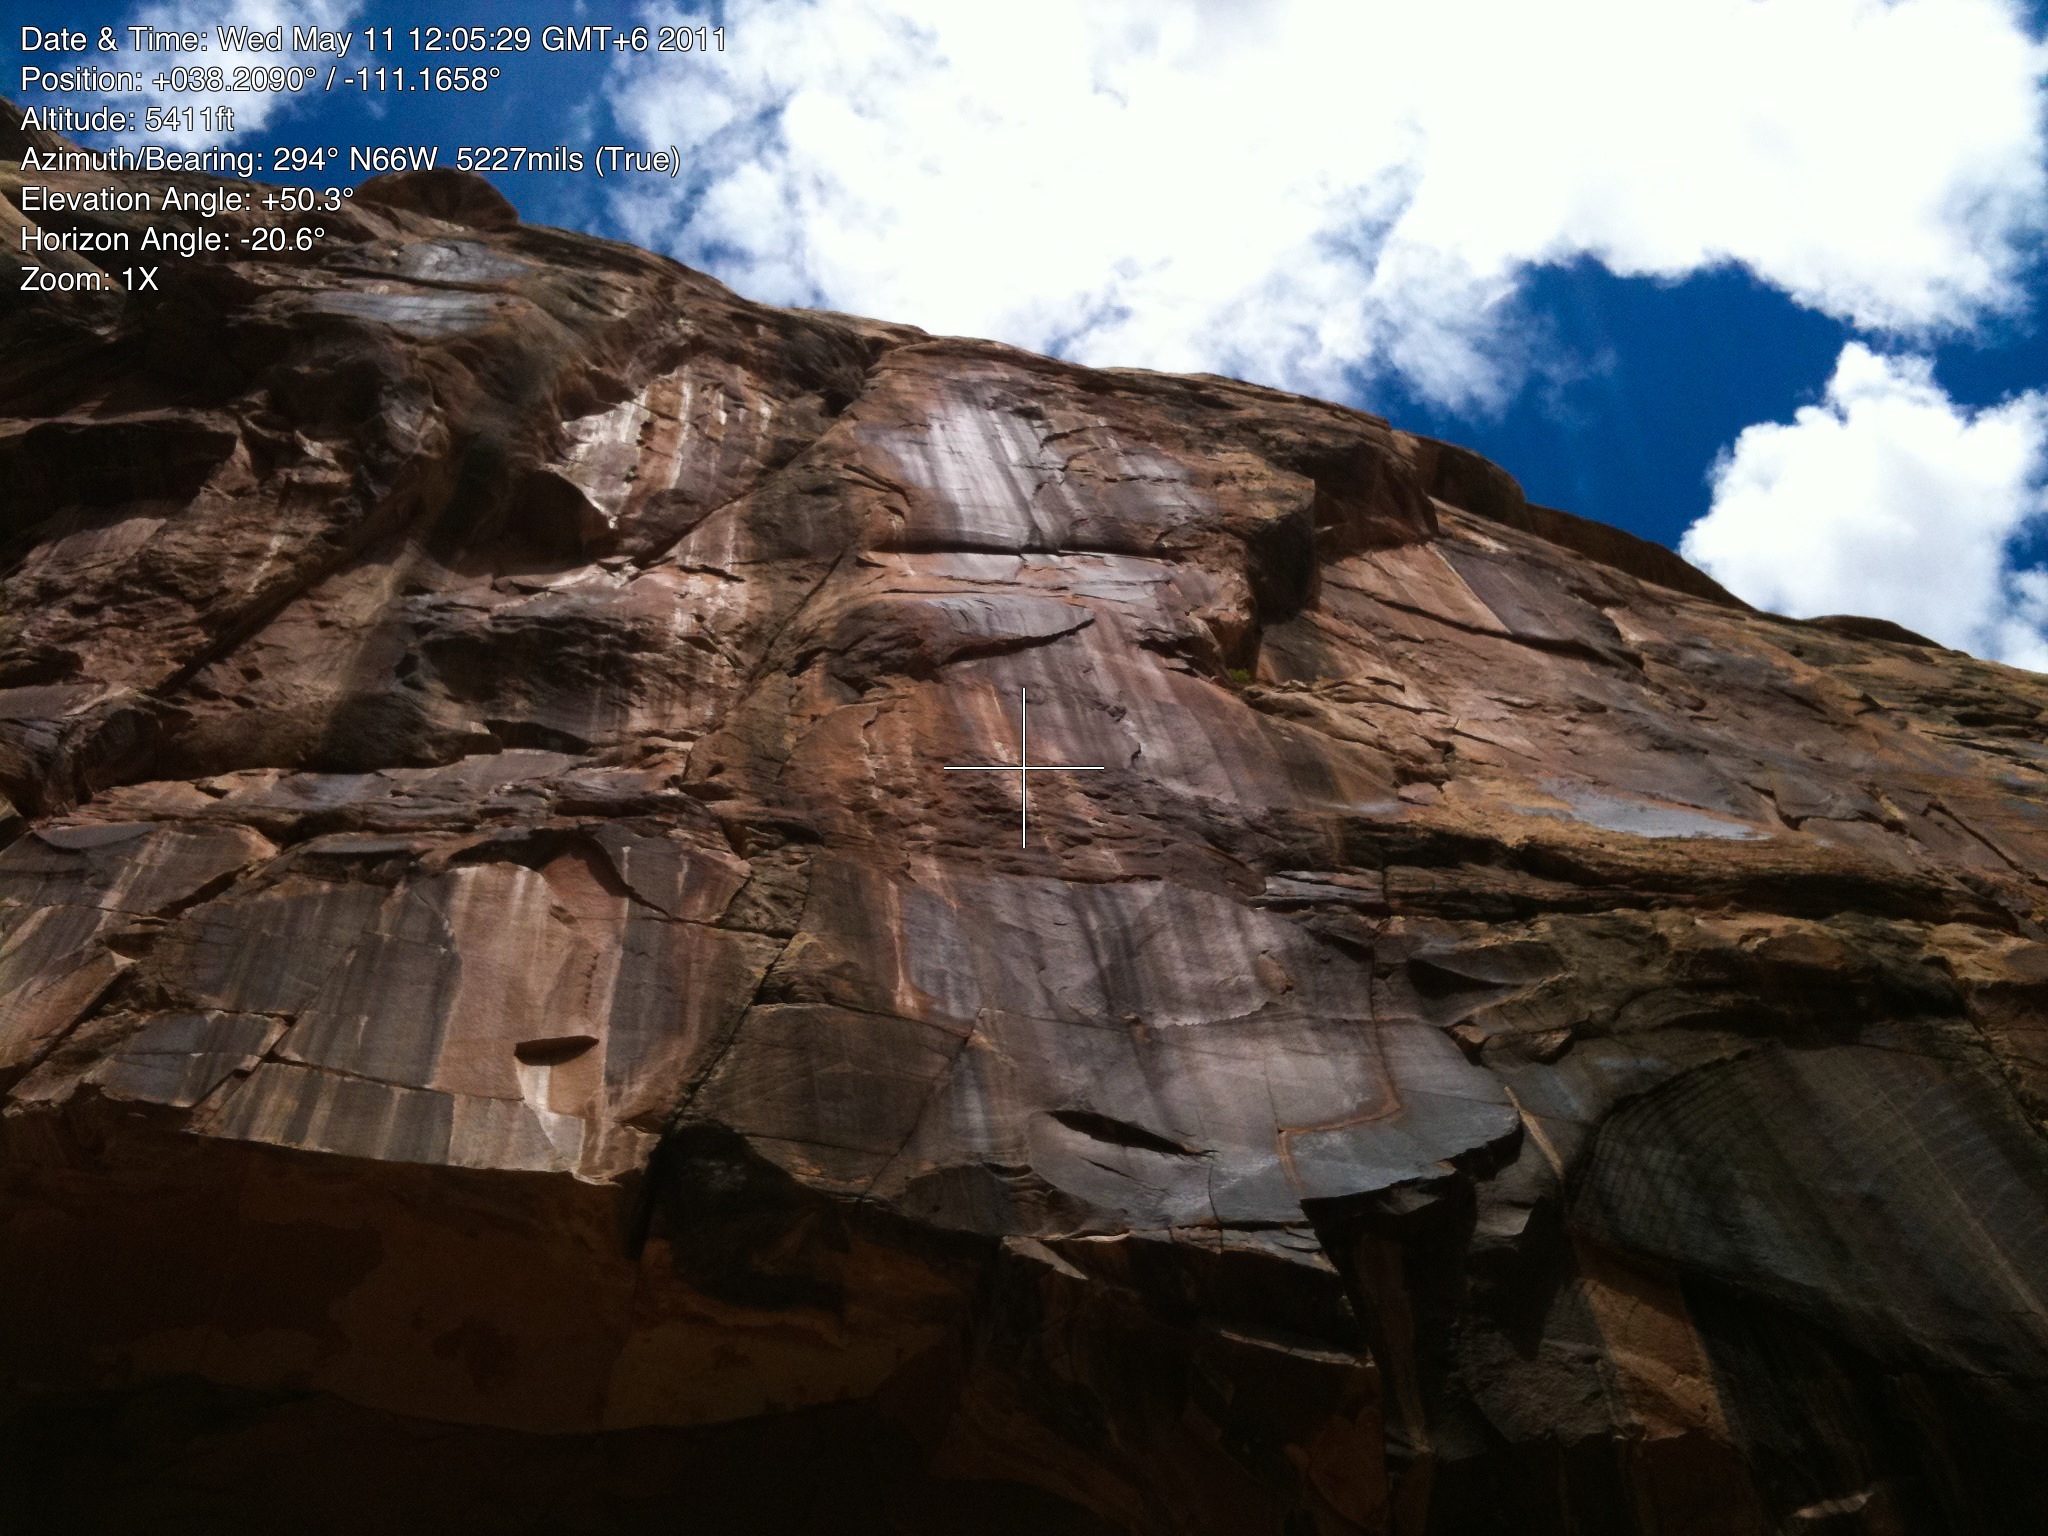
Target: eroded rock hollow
506	1022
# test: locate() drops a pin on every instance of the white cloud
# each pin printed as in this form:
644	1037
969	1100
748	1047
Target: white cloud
1290	189
1888	498
255	109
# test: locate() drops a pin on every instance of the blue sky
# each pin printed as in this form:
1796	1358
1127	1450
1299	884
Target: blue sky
1761	279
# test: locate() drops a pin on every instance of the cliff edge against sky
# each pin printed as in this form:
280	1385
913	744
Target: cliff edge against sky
507	1023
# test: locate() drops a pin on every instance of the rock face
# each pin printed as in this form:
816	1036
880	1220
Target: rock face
507	1024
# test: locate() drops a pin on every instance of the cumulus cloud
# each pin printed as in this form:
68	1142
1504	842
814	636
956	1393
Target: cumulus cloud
1303	190
1888	498
253	110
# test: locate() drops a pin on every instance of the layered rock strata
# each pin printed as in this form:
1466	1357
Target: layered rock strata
507	1024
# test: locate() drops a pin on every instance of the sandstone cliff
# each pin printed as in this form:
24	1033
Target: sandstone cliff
506	1023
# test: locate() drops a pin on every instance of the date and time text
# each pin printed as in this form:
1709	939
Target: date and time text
153	92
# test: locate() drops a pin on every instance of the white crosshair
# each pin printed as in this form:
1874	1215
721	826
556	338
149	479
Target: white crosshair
1024	768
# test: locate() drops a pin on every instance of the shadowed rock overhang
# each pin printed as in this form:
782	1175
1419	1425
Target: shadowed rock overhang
505	1021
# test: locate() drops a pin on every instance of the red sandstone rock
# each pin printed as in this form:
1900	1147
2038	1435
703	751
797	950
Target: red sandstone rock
506	1023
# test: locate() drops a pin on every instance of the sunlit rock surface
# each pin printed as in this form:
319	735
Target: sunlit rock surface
506	1024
